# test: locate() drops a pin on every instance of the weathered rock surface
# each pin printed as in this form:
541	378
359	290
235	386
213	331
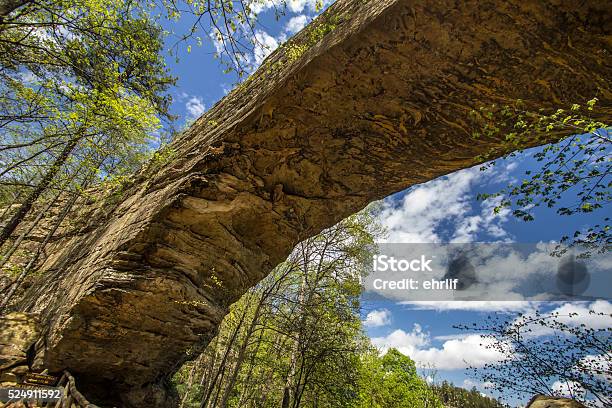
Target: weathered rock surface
379	103
541	401
18	334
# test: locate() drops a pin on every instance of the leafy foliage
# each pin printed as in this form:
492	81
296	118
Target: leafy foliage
578	166
296	339
541	349
392	381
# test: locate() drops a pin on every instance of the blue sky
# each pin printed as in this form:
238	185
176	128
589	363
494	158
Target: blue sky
443	210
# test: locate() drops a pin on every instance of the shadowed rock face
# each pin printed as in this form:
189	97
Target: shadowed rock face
378	104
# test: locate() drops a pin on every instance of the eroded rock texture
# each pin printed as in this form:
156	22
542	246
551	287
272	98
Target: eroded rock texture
18	334
373	98
542	401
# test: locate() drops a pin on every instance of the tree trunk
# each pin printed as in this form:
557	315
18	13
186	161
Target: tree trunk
242	352
15	245
43	185
34	258
380	103
216	380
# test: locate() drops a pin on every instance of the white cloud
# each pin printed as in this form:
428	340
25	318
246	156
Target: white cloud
406	342
257	6
422	211
568	389
264	46
294	6
297	6
458	353
463	350
506	276
296	23
470	351
574	390
487	221
217	38
456	336
378	318
595	315
194	107
597	365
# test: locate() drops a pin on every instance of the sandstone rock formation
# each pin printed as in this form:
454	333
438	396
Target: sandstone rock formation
541	401
371	98
18	336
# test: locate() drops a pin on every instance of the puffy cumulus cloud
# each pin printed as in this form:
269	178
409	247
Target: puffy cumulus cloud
264	45
487	221
471	351
462	350
594	315
600	365
194	107
444	204
296	23
406	342
456	353
508	276
378	318
257	6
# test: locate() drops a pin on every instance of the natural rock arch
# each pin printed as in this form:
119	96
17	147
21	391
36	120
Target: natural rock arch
370	99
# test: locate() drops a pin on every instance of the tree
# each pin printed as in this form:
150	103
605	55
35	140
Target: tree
295	339
578	168
392	381
81	79
76	76
230	24
545	353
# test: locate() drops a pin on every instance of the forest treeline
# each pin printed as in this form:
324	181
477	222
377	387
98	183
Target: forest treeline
296	340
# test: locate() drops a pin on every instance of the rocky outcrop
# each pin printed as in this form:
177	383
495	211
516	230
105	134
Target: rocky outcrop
372	98
18	336
541	401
